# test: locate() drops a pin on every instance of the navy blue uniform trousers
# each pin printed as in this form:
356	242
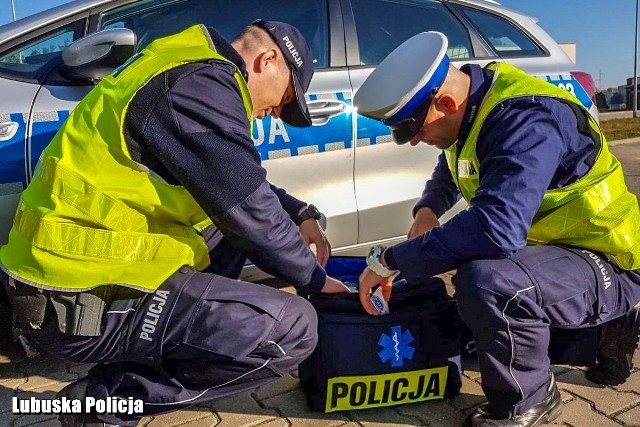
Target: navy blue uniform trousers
199	337
509	305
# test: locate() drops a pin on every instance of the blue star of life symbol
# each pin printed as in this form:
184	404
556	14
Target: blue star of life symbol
396	346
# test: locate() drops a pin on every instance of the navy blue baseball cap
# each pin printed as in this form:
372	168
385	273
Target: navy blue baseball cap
300	60
400	90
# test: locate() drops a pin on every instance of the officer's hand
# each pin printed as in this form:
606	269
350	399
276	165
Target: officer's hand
369	280
313	234
334	286
424	221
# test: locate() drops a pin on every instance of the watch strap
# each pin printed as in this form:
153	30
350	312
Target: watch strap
374	264
309	212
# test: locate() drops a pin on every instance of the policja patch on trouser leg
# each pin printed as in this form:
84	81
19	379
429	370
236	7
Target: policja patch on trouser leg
152	315
199	337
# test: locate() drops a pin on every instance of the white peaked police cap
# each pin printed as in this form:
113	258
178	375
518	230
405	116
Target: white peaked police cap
400	90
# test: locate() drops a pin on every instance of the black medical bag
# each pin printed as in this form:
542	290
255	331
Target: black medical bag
364	361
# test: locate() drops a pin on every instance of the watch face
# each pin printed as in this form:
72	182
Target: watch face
314	212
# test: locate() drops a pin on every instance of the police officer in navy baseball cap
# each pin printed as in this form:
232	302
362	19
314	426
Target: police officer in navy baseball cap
300	61
176	201
550	236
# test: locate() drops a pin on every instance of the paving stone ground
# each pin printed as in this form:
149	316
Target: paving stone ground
282	403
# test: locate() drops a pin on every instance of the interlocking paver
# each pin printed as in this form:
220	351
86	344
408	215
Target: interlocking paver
8	372
48	420
6	418
205	421
293	406
79	369
602	397
179	418
277	422
243	410
45	372
630	418
48	392
579	413
41	420
6	394
471	395
13	381
434	413
632	384
5	360
382	417
282	385
46	423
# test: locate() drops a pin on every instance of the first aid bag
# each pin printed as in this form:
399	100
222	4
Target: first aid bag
411	354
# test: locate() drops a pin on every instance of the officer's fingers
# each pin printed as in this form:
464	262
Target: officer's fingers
362	276
345	289
368	305
333	286
365	300
386	291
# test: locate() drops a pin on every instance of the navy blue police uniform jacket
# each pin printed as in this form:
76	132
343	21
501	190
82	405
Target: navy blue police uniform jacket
526	146
189	126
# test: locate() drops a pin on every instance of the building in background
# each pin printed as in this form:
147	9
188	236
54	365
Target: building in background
570	49
616	97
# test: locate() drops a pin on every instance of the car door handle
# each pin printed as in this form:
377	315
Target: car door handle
326	108
322	111
8	130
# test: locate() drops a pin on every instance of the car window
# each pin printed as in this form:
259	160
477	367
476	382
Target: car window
505	38
31	58
382	25
151	19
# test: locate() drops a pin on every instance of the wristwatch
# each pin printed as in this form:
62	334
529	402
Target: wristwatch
374	264
310	212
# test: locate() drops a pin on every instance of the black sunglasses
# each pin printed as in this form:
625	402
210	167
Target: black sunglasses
404	130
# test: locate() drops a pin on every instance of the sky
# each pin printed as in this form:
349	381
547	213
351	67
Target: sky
602	30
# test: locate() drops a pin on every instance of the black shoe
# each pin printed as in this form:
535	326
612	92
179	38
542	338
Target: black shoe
78	390
546	411
618	341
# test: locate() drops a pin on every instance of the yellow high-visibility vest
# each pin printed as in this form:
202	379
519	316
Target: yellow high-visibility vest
93	216
596	212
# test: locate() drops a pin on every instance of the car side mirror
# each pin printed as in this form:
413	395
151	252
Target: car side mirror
97	55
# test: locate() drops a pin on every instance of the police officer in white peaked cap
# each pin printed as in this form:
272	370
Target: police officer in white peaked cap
525	155
401	88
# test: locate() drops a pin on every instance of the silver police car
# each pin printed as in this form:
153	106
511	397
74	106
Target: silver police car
345	164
